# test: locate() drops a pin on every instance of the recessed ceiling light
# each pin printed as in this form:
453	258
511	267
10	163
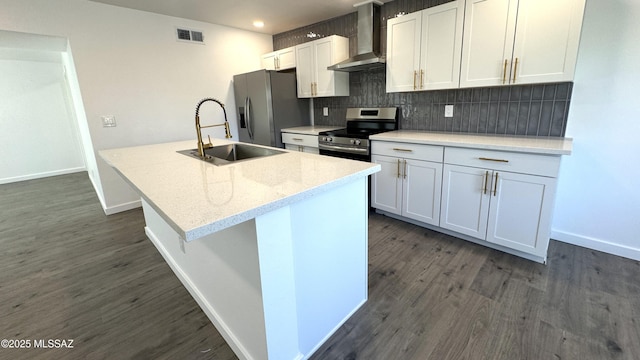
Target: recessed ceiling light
258	23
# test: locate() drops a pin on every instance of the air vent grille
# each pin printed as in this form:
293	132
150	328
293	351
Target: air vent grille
197	36
184	34
189	35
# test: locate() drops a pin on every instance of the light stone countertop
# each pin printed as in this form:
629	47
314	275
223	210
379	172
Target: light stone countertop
198	198
527	144
311	130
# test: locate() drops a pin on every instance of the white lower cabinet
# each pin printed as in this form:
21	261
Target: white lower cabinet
498	197
407	186
504	208
301	142
501	197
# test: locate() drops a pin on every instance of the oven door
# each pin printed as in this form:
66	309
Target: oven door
353	155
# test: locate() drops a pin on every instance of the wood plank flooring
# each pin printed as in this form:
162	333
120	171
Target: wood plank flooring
67	271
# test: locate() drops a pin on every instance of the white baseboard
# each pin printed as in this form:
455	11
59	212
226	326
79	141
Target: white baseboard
41	175
121	207
596	244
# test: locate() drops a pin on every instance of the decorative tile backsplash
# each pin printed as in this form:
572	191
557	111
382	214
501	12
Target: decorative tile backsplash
533	110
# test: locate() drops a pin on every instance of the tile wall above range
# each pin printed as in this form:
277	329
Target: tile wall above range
531	110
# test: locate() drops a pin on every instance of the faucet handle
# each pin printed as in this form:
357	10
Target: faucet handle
209	145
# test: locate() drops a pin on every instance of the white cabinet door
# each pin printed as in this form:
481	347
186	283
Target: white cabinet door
421	190
546	40
386	185
441	46
465	200
520	211
304	71
403	52
520	41
269	61
324	58
287	58
280	60
489	27
423	49
312	60
407	187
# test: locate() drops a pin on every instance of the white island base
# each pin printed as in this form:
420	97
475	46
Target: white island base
279	285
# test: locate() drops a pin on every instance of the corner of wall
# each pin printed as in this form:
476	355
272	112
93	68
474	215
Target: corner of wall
81	120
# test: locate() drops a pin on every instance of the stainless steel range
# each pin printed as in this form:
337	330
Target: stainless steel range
352	142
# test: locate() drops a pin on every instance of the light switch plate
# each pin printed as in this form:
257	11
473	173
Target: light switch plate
108	121
325	111
448	111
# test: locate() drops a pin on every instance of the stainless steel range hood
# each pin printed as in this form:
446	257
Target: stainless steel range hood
368	40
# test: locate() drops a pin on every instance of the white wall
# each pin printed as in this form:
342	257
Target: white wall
598	198
130	65
39	134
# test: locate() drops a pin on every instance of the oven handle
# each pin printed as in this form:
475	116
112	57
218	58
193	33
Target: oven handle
342	148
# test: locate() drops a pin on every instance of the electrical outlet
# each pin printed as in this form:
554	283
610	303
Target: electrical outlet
108	121
325	111
448	111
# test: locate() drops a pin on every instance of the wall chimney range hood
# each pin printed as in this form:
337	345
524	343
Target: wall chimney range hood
368	56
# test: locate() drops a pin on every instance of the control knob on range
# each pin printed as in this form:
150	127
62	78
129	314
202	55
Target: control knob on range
354	141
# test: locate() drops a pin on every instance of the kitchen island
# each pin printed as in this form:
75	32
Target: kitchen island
245	240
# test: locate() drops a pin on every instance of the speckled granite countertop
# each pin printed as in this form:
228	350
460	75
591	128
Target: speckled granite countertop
197	198
311	130
536	145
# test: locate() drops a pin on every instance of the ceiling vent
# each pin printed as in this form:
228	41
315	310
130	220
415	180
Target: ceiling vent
189	35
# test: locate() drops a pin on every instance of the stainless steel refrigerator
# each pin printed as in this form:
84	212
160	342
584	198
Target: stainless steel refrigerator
266	102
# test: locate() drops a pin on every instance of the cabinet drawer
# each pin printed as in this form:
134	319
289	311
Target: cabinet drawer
300	139
543	165
407	150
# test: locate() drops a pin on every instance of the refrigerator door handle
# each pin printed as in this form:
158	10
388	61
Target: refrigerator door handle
247	106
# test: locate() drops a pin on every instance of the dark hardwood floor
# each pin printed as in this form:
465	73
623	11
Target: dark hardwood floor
67	271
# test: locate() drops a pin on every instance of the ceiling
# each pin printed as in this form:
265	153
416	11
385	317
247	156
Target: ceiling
278	15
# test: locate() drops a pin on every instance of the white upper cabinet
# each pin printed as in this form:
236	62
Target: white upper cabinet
312	60
546	40
423	49
520	41
403	52
280	60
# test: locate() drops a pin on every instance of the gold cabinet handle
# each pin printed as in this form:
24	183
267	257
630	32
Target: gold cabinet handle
297	139
403	150
495	186
496	160
405	169
275	63
515	70
398	171
278	63
504	72
421	79
486	180
415	76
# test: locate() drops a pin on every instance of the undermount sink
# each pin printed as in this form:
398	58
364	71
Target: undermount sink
231	153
